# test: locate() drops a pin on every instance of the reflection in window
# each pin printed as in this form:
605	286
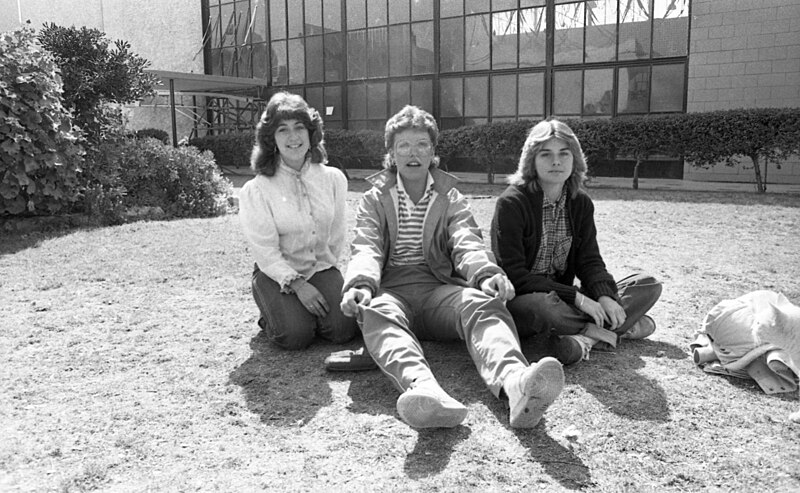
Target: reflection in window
356	54
376	100
280	72
476	6
228	23
633	86
568	33
332	10
531	94
313	20
476	40
451	8
259	23
356	14
399	96
533	40
601	31
634	31
244	60
567	92
260	57
504	95
399	50
314	53
451	95
422	48
334	59
398	12
476	101
670	28
295	21
451	45
420	10
598	91
504	40
668	88
376	13
357	101
297	61
277	19
314	99
377	52
422	94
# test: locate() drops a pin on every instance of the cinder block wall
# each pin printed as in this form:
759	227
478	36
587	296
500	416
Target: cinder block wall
744	54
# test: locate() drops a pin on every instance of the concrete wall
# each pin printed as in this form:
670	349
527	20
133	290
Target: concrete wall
744	54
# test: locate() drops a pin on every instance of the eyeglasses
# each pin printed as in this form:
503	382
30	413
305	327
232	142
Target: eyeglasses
422	148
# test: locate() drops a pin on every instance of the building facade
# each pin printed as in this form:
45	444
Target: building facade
466	61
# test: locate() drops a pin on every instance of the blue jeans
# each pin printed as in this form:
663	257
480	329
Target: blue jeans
286	321
412	305
542	313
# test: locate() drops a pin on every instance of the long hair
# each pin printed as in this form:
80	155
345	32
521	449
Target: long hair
537	137
410	117
285	106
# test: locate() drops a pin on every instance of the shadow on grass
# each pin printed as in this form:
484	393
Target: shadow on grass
14	242
433	450
282	387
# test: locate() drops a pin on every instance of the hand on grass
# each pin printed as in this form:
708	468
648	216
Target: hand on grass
354	297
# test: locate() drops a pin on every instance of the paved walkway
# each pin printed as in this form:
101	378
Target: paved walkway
240	175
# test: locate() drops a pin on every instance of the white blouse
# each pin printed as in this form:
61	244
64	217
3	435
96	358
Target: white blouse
295	220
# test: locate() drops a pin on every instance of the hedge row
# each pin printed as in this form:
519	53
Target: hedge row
766	135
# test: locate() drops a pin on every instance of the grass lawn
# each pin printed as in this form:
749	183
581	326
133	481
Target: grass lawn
131	361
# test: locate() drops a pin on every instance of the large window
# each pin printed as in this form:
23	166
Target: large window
467	61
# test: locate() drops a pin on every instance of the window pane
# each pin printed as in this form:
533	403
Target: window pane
451	94
229	61
333	103
533	43
376	100
314	53
214	28
568	43
260	59
244	61
277	19
634	89
314	99
399	96
357	102
476	6
451	45
297	62
280	63
503	5
295	21
421	10
667	91
532	3
398	11
450	8
567	92
334	56
634	31
376	13
313	17
260	24
422	48
476	92
242	23
670	28
357	54
477	42
399	50
377	51
228	19
216	62
504	95
504	40
598	96
333	15
356	14
601	31
531	94
422	94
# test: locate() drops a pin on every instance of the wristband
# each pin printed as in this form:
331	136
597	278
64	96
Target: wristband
581	302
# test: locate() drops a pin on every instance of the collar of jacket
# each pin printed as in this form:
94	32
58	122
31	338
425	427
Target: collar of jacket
387	178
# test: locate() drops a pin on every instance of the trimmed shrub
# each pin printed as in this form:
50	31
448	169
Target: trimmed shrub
39	151
231	150
182	181
155	133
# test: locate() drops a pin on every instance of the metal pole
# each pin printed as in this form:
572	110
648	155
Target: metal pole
172	112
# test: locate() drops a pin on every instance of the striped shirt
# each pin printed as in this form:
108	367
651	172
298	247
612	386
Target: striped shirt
410	218
551	258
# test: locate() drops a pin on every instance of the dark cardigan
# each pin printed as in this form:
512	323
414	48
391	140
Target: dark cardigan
517	232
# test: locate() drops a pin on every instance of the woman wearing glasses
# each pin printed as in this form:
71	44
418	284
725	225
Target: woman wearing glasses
293	214
419	271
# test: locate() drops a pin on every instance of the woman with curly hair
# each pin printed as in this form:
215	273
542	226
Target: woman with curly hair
293	214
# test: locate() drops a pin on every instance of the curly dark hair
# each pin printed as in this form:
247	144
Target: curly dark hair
286	106
410	117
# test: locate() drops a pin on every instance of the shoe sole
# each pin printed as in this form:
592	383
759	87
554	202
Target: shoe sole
542	388
567	352
642	335
427	411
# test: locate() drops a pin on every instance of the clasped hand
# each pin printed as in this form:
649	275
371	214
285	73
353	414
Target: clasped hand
605	309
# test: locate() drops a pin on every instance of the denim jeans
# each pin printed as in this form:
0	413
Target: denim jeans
540	313
286	321
412	305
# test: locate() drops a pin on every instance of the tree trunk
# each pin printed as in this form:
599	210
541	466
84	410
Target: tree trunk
636	173
490	172
760	186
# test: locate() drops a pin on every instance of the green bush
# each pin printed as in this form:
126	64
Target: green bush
182	181
231	150
39	151
155	133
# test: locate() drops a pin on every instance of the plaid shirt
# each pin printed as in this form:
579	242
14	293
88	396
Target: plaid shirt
551	258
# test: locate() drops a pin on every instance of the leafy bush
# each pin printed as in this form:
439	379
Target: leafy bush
155	133
39	151
182	181
231	150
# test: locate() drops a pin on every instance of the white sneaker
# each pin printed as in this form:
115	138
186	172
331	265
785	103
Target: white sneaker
427	405
531	391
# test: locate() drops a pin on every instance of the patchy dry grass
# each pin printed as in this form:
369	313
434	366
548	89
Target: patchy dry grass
131	361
